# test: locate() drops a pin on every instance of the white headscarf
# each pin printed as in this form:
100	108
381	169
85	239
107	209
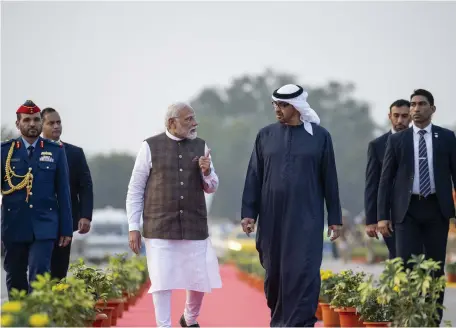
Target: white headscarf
308	115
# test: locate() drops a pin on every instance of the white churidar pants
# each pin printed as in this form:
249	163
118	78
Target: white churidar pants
181	264
162	303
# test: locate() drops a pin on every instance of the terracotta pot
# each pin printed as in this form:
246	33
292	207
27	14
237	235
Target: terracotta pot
376	324
260	284
126	298
142	290
451	277
126	305
118	304
129	300
330	317
242	275
113	313
255	282
135	299
359	259
319	313
109	313
98	321
349	318
146	288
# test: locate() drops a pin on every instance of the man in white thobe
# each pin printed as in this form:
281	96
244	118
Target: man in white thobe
172	172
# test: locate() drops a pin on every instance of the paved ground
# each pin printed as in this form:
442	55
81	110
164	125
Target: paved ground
376	269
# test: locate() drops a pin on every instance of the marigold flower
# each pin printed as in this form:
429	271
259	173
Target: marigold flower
7	320
38	320
12	306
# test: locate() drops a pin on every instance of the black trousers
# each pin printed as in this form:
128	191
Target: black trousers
391	244
60	261
424	227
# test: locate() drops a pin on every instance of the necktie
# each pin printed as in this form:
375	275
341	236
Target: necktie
30	151
425	180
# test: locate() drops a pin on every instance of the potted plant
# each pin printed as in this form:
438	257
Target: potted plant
125	276
138	263
101	286
319	313
244	265
66	303
257	275
98	283
374	312
347	298
328	281
451	272
137	268
414	292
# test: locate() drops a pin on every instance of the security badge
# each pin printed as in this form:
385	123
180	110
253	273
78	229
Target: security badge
46	156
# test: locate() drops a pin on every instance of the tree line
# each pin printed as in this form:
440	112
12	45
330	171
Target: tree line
230	118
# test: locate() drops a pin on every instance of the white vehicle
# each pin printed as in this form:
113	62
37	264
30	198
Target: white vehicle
108	236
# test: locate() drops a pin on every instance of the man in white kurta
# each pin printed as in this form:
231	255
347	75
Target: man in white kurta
176	263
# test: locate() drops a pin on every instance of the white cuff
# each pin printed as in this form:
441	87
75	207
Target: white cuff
208	178
134	227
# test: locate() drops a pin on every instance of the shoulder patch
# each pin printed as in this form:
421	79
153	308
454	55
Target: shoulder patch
52	142
7	142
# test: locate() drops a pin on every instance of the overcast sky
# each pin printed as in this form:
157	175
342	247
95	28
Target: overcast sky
111	68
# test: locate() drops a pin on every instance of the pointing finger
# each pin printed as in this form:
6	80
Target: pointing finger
208	153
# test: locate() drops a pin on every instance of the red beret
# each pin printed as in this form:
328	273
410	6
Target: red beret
28	107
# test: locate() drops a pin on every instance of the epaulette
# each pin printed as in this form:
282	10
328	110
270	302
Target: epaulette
53	142
7	142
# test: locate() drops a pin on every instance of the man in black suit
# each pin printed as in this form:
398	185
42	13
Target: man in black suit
80	188
416	185
399	116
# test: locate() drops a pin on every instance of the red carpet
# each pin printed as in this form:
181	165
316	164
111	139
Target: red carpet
234	305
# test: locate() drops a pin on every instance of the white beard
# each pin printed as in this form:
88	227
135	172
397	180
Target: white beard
192	135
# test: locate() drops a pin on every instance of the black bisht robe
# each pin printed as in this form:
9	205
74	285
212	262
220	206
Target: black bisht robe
290	176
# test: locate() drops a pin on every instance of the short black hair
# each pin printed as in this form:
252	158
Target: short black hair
423	93
47	110
400	103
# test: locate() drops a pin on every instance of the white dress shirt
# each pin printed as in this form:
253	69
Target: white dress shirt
138	181
416	146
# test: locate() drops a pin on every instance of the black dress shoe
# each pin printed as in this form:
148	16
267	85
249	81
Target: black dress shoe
183	323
